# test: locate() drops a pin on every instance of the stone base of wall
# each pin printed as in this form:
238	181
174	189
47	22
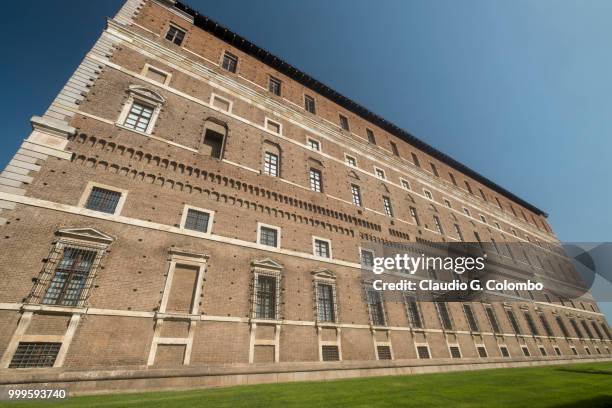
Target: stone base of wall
131	379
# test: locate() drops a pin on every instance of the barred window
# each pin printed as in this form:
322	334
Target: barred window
458	232
504	351
423	352
356	194
438	224
316	183
376	309
309	104
492	319
266	297
545	324
70	277
344	123
513	321
542	351
175	35
415	216
325	302
330	353
384	352
387	206
444	315
197	220
562	326
414	313
526	352
103	200
230	62
482	351
532	326
321	248
576	328
274	86
139	117
367	258
455	351
268	236
471	319
271	164
30	355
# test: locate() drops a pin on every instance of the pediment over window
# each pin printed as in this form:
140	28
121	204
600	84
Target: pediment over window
353	174
147	93
266	263
323	274
85	234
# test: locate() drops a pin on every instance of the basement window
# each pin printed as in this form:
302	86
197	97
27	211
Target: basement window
384	352
455	351
30	354
423	352
330	353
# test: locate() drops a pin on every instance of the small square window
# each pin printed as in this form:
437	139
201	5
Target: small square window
230	62
350	160
314	145
273	126
428	194
371	137
103	200
384	352
197	220
268	236
274	86
423	352
405	184
344	123
380	173
309	104
455	351
526	352
330	353
175	35
322	248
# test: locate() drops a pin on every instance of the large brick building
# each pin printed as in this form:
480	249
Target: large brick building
191	210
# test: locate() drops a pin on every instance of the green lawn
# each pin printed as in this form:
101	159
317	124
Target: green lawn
576	385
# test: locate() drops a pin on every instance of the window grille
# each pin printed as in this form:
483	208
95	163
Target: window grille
471	319
266	296
531	324
376	308
545	324
576	328
492	319
482	351
330	353
30	355
356	194
322	248
384	352
557	351
562	326
70	278
526	352
197	220
388	207
268	236
587	329
455	351
414	313
504	351
325	302
543	351
444	315
423	352
103	200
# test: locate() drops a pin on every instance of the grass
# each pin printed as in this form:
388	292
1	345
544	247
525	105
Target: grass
575	385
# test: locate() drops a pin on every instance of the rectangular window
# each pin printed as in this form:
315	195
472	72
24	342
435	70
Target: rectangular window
415	160
471	319
344	123
367	258
482	194
197	220
321	248
356	194
394	149
139	117
384	352
274	86
557	350
458	232
477	236
482	351
499	204
266	295
483	219
309	104
414	313
405	184
316	182
314	145
455	351
371	137
576	329
526	352
542	351
380	173
447	203
562	326
423	352
350	160
493	319
452	178
387	206
434	170
175	35
597	331
330	353
103	200
270	164
377	313
467	211
444	315
273	126
531	323
438	225
70	277
468	187
415	216
587	329
513	321
30	355
268	236
428	194
230	62
546	325
504	351
325	302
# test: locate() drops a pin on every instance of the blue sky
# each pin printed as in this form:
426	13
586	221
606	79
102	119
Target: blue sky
520	91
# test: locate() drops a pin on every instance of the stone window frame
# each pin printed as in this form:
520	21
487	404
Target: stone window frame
361	251
273	79
507	350
280	126
384	174
278	235
142	95
314	104
231	56
428	194
148	67
270	268
214	96
329	246
179	28
86	238
422	344
325	277
478	345
367	287
211	217
405	184
455	344
346	160
310	139
407	298
89	188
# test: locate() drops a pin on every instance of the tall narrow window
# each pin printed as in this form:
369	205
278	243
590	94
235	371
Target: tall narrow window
325	302
434	170
492	319
452	178
266	297
139	117
344	123
321	248
438	224
482	194
415	216
477	236
230	62
316	181
471	319
444	315
531	324
309	104
213	141
499	204
458	232
576	328
414	313
468	187
562	326
371	137
375	306
513	321
103	200
70	277
587	329
394	149
387	206
356	194
415	160
175	35
270	164
274	86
